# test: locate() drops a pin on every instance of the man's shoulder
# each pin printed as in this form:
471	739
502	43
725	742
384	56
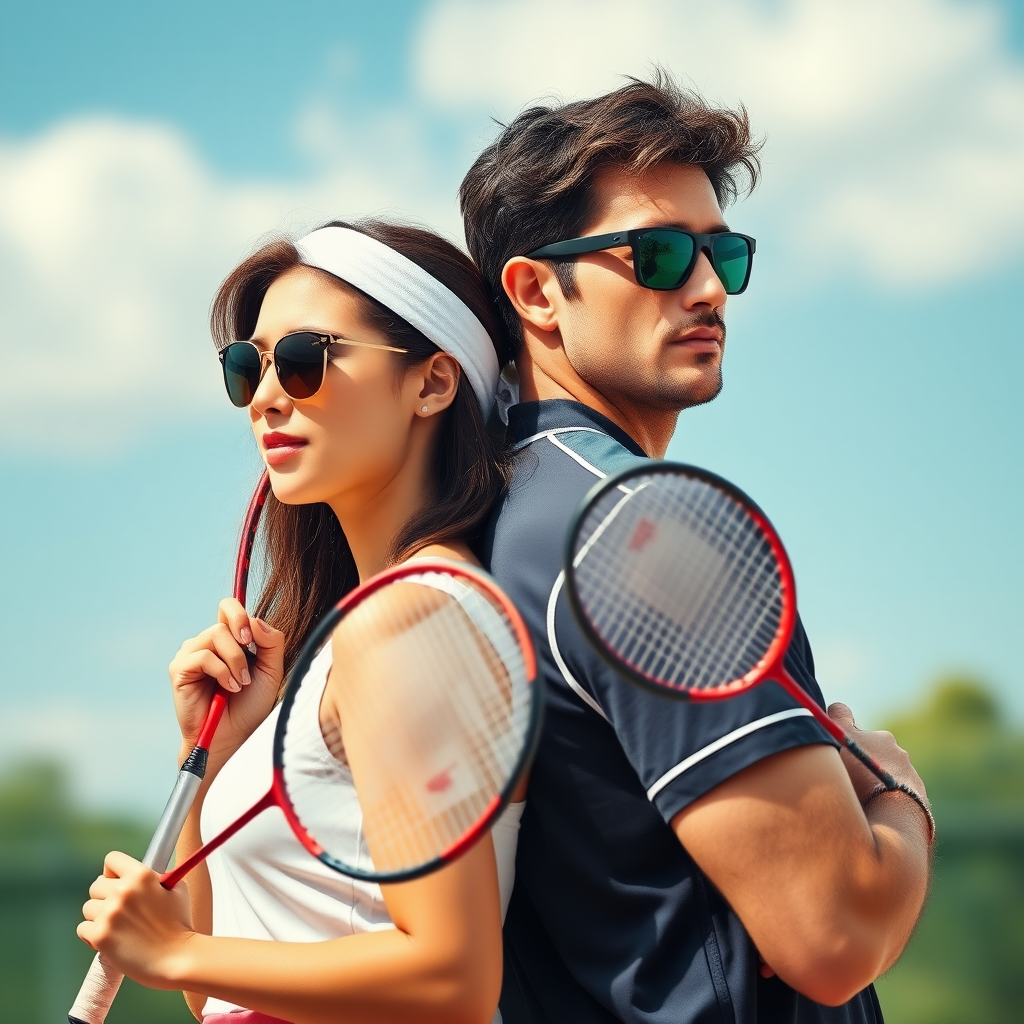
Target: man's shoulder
553	471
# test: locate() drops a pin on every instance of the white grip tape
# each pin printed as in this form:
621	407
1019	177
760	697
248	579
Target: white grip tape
97	992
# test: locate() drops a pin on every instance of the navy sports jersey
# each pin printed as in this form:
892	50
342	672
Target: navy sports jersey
610	918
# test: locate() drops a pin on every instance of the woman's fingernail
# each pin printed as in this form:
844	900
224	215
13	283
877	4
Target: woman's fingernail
262	625
235	685
245	635
246	678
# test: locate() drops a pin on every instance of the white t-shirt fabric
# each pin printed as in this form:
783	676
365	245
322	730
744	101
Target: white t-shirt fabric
266	885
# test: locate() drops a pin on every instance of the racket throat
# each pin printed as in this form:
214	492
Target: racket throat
172	878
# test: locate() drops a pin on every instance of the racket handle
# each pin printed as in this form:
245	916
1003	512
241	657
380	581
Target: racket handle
96	995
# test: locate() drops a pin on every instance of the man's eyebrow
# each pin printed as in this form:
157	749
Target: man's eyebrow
716	230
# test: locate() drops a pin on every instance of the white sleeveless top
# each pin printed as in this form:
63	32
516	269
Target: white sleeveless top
266	885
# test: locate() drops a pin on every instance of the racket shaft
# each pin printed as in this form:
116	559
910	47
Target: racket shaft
96	995
172	821
795	690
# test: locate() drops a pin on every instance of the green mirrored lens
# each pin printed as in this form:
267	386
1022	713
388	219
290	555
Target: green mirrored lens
241	364
299	360
664	258
731	258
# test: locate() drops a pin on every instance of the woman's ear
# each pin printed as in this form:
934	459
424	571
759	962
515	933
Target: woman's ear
438	376
533	289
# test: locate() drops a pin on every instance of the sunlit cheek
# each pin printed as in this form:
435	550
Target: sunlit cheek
362	425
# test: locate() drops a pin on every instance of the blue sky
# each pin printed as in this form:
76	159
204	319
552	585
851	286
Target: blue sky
874	373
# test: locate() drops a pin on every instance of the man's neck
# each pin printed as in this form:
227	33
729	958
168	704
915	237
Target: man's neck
652	429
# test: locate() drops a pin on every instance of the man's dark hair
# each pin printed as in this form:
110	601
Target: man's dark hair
535	183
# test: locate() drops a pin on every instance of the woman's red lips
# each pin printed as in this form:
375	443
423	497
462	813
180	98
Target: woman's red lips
275	439
280	447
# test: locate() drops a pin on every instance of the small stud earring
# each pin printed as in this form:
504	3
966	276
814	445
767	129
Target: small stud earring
424	409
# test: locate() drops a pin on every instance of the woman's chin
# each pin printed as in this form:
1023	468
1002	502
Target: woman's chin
291	489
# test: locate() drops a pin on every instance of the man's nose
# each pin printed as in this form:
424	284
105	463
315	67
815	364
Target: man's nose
703	287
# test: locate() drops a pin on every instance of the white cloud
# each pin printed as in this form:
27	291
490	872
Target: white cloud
879	115
114	235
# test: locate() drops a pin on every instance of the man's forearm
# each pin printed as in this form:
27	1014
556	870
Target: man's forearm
828	895
903	839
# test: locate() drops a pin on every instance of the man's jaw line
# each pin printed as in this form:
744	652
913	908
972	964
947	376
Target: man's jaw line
539	385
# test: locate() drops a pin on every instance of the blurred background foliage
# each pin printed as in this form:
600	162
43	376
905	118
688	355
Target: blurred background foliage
49	853
965	964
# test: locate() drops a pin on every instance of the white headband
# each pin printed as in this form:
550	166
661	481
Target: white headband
416	296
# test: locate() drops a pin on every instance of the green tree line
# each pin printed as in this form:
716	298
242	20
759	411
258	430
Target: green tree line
965	964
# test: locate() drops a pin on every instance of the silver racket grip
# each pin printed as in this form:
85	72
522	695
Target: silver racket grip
172	821
96	995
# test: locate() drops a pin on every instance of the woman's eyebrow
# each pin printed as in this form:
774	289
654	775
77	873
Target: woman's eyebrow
260	342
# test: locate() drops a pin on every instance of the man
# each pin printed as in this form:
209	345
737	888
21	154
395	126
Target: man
718	862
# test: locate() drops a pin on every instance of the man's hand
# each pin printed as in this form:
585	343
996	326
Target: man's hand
137	924
882	746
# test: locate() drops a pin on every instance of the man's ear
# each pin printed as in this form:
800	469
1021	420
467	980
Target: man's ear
533	290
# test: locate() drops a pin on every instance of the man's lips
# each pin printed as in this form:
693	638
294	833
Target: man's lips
700	339
280	447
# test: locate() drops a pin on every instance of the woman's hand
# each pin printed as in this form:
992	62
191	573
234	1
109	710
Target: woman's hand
217	658
137	924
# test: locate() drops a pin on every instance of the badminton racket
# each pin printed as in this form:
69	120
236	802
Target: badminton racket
680	581
96	995
431	715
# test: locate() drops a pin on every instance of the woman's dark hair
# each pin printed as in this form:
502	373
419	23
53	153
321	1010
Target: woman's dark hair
535	183
308	562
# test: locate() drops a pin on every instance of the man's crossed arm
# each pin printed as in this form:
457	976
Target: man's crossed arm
828	880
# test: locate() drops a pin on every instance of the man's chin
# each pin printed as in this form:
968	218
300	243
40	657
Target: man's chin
704	388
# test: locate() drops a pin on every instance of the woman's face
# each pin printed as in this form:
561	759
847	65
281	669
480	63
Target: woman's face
349	440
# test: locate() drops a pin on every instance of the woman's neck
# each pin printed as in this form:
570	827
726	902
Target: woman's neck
372	517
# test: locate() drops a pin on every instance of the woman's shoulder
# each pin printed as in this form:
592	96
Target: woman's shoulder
454	550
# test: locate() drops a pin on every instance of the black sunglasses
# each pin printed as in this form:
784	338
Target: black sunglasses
300	361
663	258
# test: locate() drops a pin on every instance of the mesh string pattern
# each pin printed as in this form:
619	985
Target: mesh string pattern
678	579
428	708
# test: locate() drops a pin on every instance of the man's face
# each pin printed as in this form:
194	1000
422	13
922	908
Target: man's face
662	350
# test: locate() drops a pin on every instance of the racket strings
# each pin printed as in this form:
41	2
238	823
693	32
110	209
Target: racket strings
429	700
680	582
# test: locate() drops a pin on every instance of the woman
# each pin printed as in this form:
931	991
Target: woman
377	451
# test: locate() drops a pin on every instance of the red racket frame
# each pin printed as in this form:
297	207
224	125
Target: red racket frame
277	795
772	663
219	700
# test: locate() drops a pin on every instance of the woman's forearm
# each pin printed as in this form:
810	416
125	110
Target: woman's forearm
377	978
442	961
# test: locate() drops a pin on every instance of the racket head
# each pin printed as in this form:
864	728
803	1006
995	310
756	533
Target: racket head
654	562
442	708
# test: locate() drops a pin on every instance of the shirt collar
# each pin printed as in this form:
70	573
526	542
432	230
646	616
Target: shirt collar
529	418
